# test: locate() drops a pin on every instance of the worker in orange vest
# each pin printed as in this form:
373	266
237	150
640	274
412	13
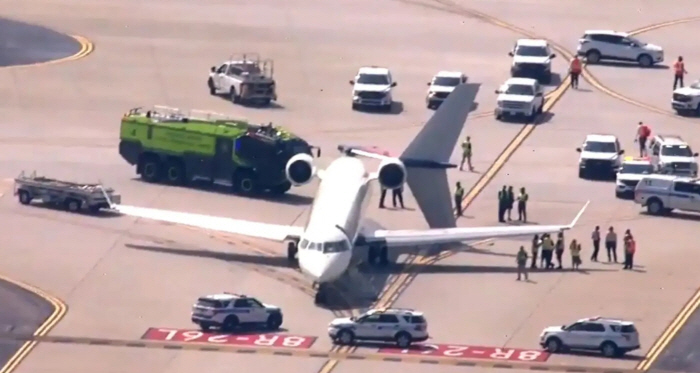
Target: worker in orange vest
678	72
575	71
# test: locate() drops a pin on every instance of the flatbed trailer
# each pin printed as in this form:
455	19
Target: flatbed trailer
71	196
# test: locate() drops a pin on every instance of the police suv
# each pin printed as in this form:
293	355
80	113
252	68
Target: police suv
442	84
671	155
228	311
686	100
661	194
612	337
372	88
600	156
631	171
397	325
532	58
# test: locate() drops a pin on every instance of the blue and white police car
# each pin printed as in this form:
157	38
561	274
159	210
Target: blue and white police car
227	311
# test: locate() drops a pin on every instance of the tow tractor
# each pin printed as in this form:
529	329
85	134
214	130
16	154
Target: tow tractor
71	196
244	78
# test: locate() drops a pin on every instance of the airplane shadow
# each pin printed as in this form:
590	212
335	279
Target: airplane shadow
359	288
355	290
287	198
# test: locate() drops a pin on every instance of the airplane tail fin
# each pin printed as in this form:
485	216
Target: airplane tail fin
427	157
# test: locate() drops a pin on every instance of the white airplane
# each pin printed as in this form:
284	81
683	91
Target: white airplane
323	246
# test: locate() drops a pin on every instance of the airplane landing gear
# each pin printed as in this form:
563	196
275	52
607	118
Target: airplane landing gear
321	294
292	251
378	253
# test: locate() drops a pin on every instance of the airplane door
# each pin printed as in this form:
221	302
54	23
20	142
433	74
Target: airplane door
223	159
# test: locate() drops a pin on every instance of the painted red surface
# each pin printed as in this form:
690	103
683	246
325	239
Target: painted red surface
255	340
471	352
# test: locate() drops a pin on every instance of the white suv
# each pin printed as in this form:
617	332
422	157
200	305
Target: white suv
600	156
660	194
522	97
612	337
631	171
671	155
597	45
398	325
442	84
372	88
686	100
228	311
532	58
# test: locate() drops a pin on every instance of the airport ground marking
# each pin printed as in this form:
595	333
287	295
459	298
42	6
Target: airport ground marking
59	311
245	339
471	352
670	332
426	359
86	48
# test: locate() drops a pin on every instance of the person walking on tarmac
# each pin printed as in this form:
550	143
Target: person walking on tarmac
459	196
522	205
510	199
678	72
466	154
397	194
381	197
611	244
536	243
502	196
559	249
575	69
643	133
522	263
630	249
595	236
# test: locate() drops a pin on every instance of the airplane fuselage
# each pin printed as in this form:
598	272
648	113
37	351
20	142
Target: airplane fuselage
335	220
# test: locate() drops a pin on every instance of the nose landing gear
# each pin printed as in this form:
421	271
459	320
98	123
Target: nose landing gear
321	293
378	253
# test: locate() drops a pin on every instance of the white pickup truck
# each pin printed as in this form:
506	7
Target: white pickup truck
520	97
686	100
244	79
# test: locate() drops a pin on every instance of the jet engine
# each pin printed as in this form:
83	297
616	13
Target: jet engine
300	169
391	174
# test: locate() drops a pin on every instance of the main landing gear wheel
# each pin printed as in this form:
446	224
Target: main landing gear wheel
292	251
378	254
321	294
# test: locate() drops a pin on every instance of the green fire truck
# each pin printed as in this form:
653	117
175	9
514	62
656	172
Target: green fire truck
167	145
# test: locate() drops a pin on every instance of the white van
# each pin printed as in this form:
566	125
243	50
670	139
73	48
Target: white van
662	193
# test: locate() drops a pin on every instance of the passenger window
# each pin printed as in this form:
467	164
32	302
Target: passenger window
390	319
312	246
222	69
241	303
595	328
370	319
574	327
254	303
615	39
683	187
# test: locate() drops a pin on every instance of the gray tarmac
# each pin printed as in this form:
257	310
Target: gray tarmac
680	355
121	275
21	313
26	44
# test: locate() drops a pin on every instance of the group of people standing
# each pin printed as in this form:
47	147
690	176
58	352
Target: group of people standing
506	200
544	249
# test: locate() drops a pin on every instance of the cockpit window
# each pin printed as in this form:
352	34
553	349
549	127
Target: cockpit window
335	247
